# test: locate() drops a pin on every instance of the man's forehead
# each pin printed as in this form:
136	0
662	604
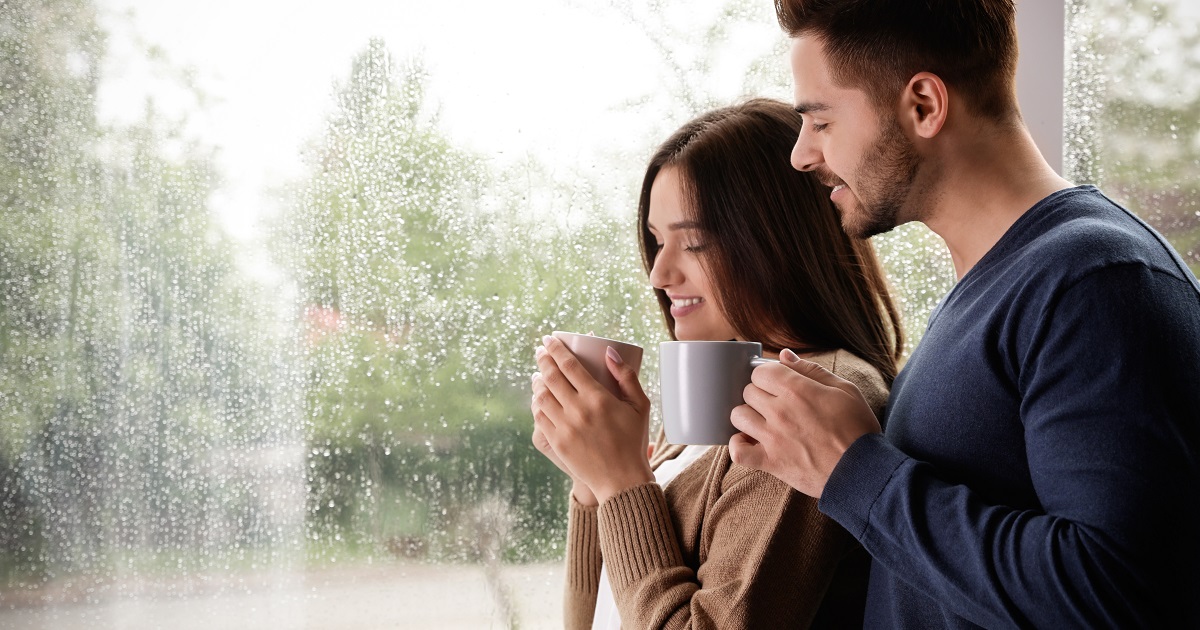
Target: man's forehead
807	61
814	89
808	49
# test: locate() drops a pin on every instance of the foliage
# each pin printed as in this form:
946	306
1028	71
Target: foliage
130	347
422	305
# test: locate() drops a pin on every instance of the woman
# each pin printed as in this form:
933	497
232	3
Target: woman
738	245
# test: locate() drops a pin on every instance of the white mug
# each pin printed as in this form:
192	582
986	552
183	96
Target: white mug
702	381
591	350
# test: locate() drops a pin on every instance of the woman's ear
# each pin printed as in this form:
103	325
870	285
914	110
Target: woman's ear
924	104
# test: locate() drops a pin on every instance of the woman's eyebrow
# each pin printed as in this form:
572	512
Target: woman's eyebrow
684	225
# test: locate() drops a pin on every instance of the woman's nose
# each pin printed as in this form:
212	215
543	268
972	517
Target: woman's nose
663	272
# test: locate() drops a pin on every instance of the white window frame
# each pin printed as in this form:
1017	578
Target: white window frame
1041	36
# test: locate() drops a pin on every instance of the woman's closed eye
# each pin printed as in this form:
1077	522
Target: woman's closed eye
687	247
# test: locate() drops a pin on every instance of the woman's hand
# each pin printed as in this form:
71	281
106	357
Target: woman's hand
581	492
600	439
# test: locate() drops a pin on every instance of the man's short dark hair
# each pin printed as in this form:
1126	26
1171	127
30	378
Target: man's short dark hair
878	45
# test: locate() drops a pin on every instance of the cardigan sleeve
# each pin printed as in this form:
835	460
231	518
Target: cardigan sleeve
583	567
769	559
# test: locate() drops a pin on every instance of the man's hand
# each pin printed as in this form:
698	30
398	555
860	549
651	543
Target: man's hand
798	421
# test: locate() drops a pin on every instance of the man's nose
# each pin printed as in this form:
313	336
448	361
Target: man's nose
805	156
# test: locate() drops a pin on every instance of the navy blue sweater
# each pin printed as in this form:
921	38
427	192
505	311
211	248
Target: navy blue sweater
1041	459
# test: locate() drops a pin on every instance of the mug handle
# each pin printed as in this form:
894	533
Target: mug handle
757	361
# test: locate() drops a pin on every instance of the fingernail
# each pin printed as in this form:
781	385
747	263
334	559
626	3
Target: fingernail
546	340
539	351
614	355
535	376
789	356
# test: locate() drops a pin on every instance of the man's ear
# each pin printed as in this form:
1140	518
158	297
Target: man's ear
924	104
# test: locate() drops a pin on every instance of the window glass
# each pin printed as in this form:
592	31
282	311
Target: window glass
271	277
1133	110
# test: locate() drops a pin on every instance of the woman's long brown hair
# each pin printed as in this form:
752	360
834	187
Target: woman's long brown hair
785	273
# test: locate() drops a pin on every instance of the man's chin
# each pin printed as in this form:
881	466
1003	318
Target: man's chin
852	223
857	225
854	231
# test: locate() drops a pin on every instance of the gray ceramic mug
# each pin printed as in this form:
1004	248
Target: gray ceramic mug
702	381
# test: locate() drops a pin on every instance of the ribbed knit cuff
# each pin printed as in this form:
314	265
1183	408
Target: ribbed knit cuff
583	548
636	534
858	480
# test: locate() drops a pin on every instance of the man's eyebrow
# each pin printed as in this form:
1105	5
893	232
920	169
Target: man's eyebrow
808	108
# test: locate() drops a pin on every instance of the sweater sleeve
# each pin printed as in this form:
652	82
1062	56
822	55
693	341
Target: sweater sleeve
770	557
583	567
1109	409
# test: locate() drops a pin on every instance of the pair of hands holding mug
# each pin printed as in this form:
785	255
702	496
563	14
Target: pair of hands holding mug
600	440
798	421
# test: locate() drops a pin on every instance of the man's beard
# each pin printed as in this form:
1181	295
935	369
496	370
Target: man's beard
885	178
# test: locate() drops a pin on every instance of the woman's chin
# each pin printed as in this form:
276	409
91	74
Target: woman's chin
686	334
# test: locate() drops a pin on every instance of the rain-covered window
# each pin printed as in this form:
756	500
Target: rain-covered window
272	274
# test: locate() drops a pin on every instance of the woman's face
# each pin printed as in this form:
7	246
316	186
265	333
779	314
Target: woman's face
677	269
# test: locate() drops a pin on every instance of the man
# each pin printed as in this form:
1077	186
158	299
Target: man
1040	466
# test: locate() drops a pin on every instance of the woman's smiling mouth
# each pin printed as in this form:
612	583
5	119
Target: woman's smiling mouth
681	306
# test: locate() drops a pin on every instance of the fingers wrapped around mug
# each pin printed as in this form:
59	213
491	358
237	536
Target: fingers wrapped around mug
541	398
745	448
600	438
798	420
541	424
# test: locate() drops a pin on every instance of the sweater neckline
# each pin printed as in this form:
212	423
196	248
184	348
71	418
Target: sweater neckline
1012	239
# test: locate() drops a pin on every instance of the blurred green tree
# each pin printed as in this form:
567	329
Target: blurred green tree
425	281
132	355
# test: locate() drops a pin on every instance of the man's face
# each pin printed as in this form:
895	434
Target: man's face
851	146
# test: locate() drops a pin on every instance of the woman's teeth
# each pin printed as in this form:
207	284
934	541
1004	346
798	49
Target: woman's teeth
838	187
686	302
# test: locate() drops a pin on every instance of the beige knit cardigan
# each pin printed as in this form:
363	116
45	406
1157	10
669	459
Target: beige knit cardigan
723	546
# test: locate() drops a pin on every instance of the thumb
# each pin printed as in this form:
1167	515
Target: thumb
746	451
814	371
626	376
